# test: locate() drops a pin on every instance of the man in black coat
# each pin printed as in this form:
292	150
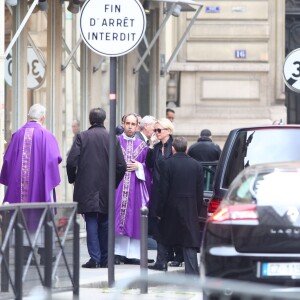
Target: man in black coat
88	168
181	190
205	149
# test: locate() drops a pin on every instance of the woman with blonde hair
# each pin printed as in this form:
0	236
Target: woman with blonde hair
160	149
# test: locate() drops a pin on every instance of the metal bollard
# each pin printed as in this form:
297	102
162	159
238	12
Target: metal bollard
76	258
48	252
4	272
19	257
144	249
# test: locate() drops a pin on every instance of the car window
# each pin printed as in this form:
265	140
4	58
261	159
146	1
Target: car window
278	187
269	188
261	146
209	169
242	190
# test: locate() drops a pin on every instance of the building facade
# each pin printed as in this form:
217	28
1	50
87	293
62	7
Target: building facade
226	73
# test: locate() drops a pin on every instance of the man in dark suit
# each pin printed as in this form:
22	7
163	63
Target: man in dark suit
88	168
181	190
146	129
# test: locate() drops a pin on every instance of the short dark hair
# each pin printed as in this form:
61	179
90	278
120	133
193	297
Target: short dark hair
170	110
205	132
180	144
97	116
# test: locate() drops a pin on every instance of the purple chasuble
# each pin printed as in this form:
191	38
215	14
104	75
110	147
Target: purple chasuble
30	165
132	192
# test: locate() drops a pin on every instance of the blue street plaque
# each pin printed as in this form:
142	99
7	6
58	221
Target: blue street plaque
212	9
241	54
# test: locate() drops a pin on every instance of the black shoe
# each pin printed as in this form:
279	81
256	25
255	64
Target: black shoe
91	264
42	261
134	261
159	267
32	262
131	261
27	250
103	265
118	259
175	263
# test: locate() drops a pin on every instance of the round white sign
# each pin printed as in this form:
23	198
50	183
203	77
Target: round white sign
112	27
291	70
35	70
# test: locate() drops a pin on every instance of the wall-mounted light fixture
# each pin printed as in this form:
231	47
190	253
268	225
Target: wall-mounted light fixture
74	6
43	5
177	10
11	2
147	6
172	90
179	7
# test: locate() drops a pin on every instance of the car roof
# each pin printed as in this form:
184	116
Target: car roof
276	165
249	128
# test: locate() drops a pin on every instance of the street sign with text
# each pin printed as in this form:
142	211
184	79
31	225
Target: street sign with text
36	71
112	27
291	70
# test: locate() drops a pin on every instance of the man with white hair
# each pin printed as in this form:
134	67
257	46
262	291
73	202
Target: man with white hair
30	166
146	129
32	150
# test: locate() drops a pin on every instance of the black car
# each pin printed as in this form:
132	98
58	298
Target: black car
255	233
249	146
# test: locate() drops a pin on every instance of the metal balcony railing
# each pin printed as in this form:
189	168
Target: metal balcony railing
39	249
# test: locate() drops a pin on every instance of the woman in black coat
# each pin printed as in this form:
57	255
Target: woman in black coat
158	152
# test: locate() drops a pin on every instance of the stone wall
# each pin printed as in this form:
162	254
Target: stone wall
229	69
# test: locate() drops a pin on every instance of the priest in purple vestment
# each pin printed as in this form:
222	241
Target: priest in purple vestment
30	165
132	193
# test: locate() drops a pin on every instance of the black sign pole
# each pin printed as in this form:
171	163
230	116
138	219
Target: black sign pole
112	171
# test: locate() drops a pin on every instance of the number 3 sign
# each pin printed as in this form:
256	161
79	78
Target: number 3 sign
35	70
291	70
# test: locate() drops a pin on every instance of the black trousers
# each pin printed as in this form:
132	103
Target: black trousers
177	253
190	261
164	253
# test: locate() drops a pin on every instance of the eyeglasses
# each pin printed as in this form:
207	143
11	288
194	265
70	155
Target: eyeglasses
158	130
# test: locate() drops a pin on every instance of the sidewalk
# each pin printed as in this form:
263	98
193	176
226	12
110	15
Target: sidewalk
94	283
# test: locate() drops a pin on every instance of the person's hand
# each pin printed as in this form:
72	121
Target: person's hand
133	165
153	140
